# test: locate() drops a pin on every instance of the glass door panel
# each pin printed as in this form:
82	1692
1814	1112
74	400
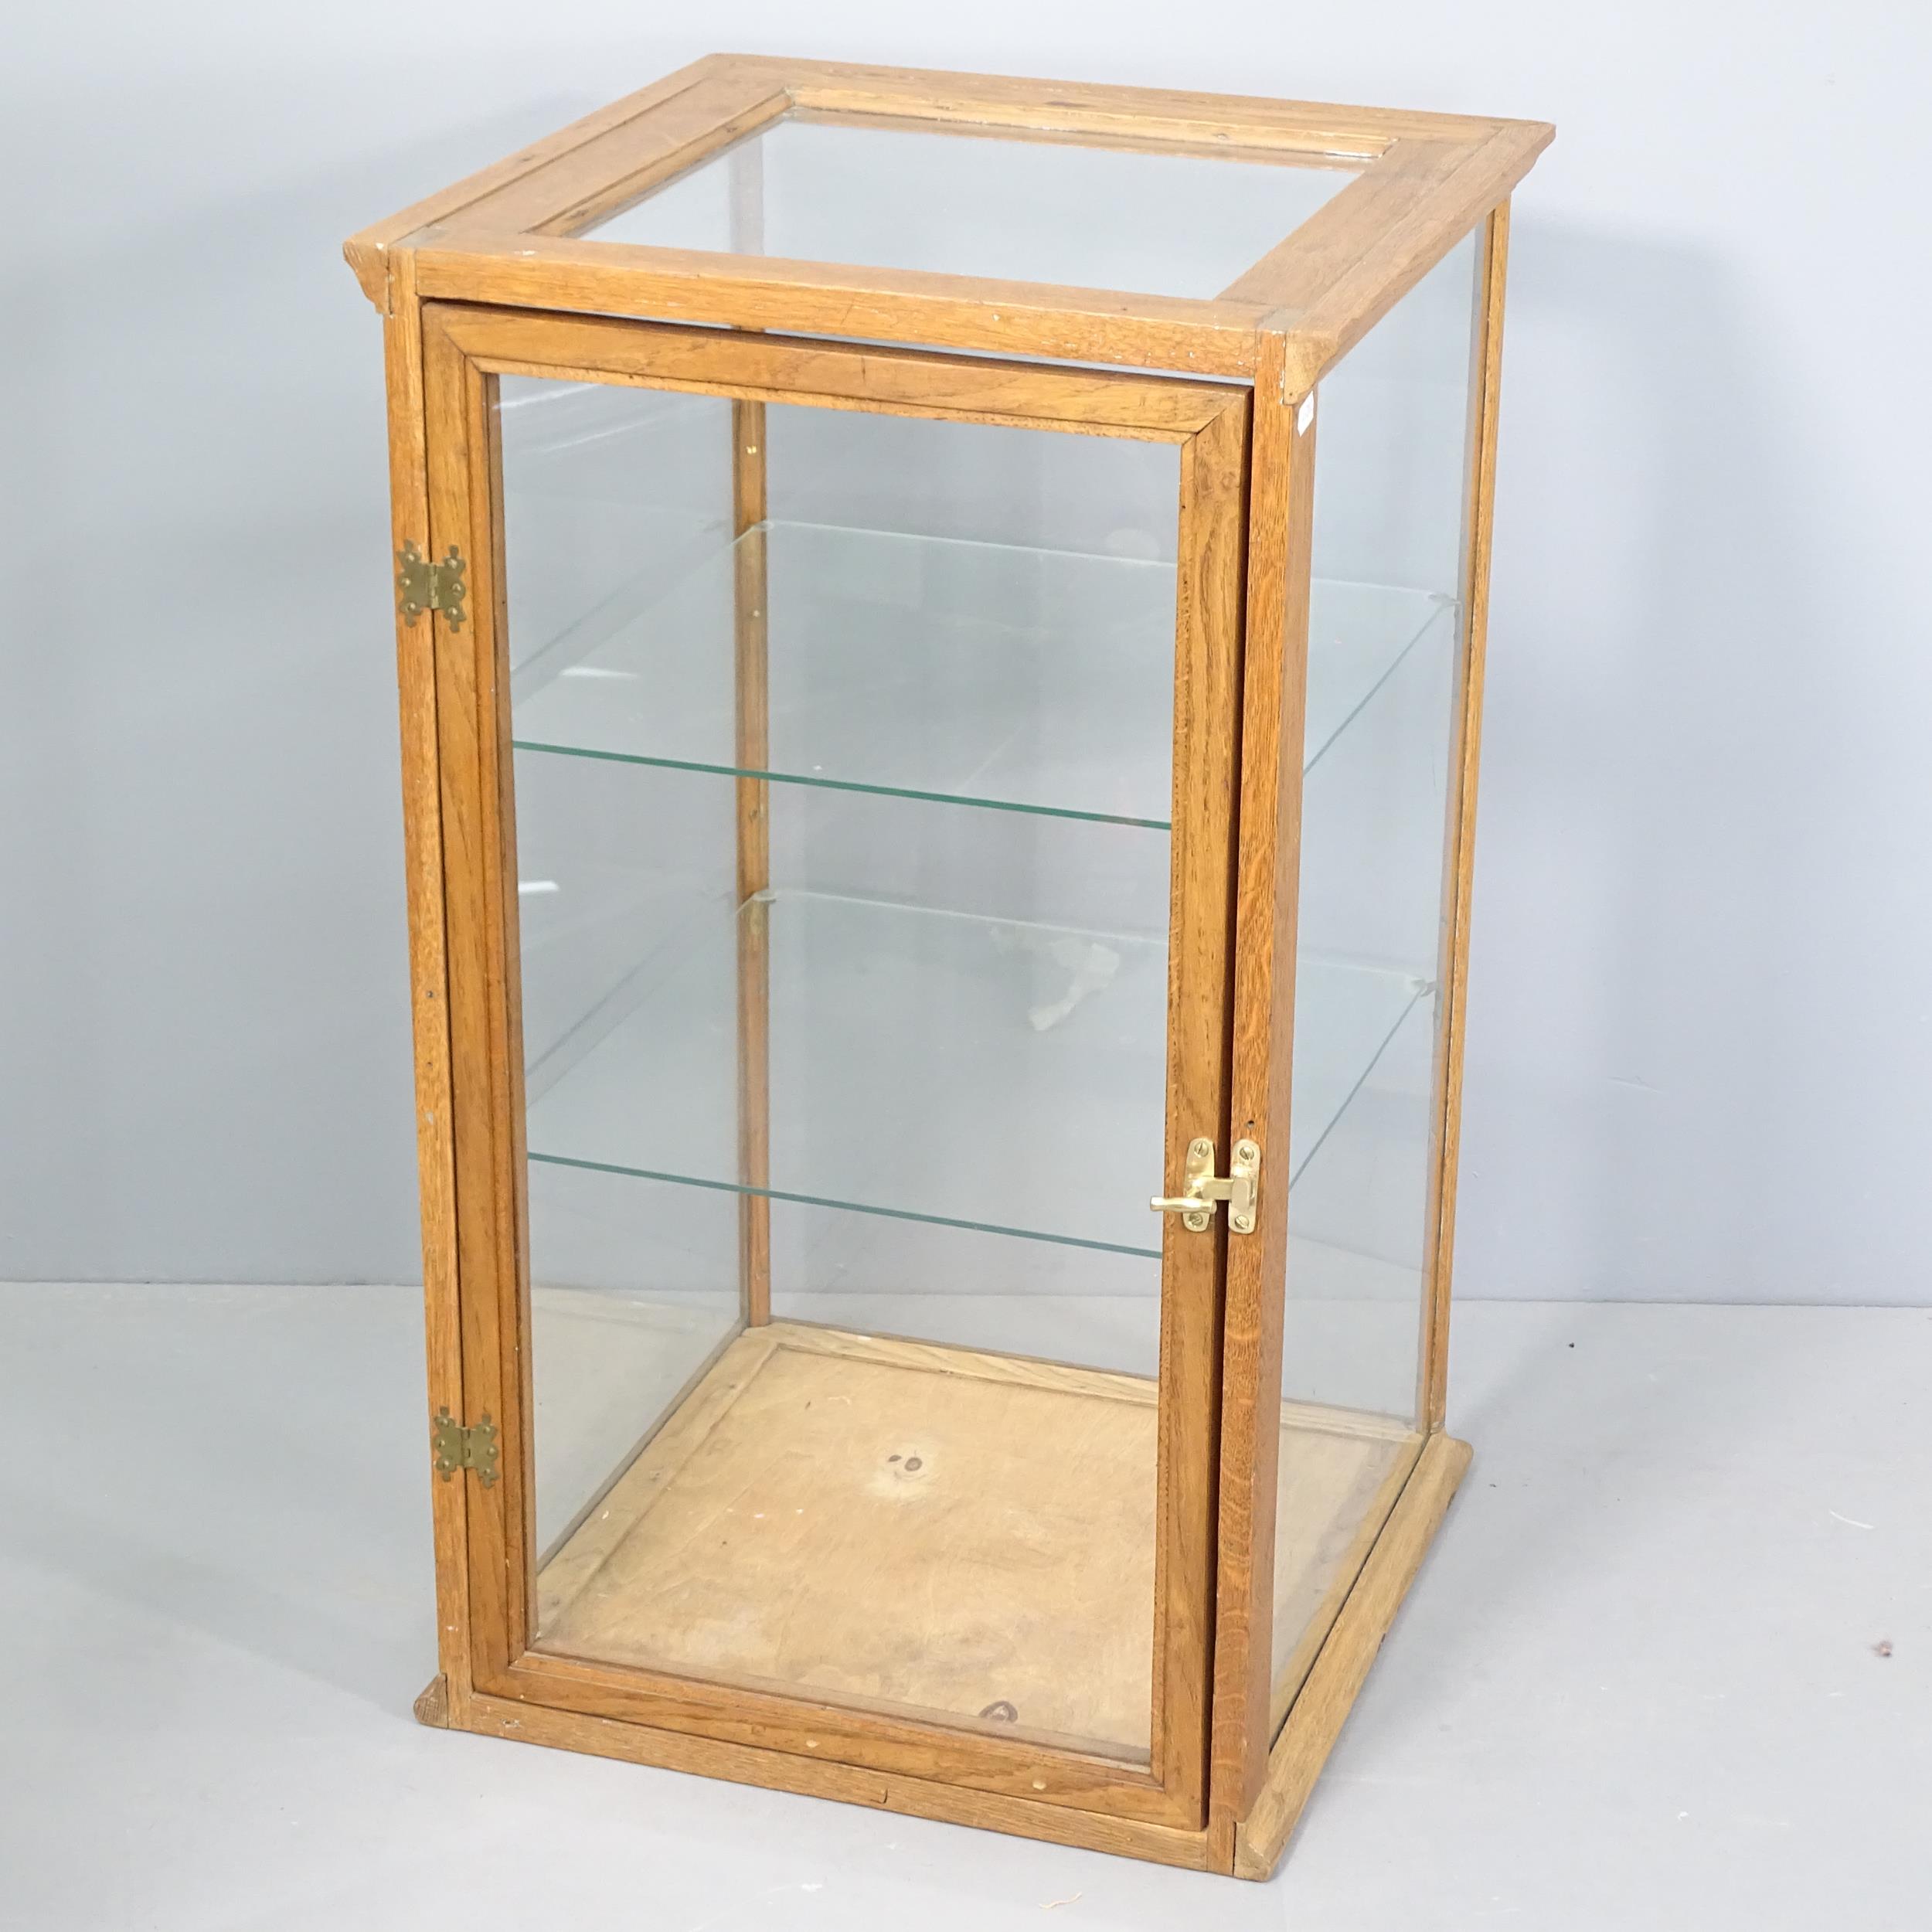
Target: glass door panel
843	776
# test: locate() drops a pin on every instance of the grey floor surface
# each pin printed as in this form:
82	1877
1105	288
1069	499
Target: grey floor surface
1670	1665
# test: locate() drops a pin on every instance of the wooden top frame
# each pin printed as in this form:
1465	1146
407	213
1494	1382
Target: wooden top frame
505	236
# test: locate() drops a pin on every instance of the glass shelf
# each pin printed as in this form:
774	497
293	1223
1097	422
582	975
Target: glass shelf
927	1065
981	674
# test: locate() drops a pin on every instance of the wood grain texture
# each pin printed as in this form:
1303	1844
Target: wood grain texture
1370	259
478	893
1301	268
1460	855
1209	338
429	973
513	1201
1158	114
775	1770
1273	688
1210	583
755	366
367	252
1316	1718
1271	148
751	584
860	1734
599	177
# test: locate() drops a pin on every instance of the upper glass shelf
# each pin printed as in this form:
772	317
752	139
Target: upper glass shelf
984	674
1033	680
971	202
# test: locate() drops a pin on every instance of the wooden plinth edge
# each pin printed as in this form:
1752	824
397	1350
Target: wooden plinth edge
1307	1737
1315	1719
784	1771
432	1705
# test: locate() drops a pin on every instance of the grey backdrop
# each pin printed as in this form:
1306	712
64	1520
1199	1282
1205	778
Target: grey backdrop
1700	1037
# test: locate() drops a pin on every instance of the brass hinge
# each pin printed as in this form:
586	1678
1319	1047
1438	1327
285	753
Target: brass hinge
456	1447
422	586
1241	1188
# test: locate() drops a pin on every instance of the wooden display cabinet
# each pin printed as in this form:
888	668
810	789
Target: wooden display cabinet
909	752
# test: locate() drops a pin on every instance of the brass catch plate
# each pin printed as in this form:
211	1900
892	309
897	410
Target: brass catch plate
1201	1188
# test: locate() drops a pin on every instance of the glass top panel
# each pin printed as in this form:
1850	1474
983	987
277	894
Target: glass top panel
1149	222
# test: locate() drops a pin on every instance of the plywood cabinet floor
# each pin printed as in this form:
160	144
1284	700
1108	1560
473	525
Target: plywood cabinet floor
1000	1510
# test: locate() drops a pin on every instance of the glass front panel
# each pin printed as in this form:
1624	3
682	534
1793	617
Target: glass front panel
1391	480
843	782
966	203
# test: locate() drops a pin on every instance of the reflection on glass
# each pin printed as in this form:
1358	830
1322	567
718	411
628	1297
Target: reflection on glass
972	203
842	1090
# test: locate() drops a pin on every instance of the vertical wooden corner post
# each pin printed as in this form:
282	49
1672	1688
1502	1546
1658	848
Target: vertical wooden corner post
1460	840
485	1006
448	1698
750	590
1215	466
1281	524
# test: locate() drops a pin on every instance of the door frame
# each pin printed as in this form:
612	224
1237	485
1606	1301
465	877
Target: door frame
479	1287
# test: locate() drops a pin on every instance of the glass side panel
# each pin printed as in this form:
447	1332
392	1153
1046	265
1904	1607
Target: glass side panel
842	1093
969	203
1391	478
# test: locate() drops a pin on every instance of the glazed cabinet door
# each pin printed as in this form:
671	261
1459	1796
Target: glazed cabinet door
837	755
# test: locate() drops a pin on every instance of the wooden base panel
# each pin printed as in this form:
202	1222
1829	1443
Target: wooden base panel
1315	1718
892	1525
1332	1683
928	1530
781	1771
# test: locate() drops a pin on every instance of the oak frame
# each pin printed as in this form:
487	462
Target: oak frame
502	238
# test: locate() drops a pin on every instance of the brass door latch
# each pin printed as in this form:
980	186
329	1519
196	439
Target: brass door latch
422	586
454	1447
1240	1188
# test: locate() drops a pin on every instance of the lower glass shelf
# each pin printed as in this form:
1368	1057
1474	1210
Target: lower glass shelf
924	1065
